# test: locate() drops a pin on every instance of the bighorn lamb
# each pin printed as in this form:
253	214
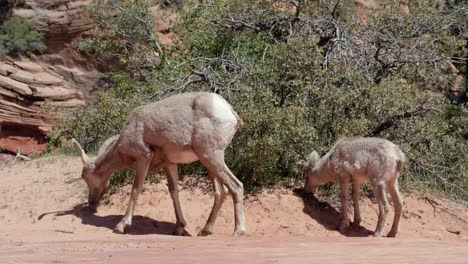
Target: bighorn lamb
179	129
360	160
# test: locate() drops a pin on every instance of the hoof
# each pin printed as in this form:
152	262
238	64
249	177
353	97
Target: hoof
356	225
120	229
238	233
180	231
91	210
391	234
204	232
377	235
343	227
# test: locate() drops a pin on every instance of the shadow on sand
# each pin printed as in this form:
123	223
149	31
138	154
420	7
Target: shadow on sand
141	225
326	215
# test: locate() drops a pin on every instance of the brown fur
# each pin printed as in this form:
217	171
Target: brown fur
178	129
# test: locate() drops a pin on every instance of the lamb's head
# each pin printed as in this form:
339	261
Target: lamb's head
97	184
311	173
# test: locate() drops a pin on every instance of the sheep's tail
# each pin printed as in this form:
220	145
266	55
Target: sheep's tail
240	123
400	165
239	120
401	161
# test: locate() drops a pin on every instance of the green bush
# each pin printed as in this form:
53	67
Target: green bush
300	81
92	125
18	36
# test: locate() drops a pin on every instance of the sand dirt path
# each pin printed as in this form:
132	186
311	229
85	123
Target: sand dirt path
43	220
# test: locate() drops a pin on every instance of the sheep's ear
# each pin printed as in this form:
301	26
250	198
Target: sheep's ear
86	160
313	156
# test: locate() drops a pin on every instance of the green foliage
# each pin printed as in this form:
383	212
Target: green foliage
299	80
92	125
18	36
124	37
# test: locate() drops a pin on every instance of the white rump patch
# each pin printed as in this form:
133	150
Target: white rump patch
222	111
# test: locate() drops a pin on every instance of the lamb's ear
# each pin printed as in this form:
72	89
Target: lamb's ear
313	156
86	160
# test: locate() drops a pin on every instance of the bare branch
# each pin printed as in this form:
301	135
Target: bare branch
431	169
392	121
147	25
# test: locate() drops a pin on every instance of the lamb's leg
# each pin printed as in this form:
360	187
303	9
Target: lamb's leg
357	213
172	174
398	205
214	162
141	172
344	205
219	196
379	192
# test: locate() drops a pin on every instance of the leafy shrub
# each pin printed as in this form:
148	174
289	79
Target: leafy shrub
18	36
92	125
300	81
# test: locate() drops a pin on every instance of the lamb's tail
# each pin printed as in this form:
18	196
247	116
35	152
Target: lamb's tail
400	165
401	161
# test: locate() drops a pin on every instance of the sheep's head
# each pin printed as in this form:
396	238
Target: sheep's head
97	184
310	173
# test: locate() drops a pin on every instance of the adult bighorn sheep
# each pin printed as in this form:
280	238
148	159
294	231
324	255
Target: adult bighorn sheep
179	129
360	160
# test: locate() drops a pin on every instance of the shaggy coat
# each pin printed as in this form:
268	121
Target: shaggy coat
360	160
179	129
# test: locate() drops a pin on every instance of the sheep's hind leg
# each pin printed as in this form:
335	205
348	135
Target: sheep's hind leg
220	193
379	192
398	205
214	162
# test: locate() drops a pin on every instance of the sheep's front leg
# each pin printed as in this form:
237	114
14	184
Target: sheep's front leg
344	205
357	213
141	172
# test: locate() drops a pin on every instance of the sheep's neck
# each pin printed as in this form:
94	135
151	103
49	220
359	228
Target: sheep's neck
107	163
327	173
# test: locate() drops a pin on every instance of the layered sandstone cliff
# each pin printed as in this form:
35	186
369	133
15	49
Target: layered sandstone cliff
59	78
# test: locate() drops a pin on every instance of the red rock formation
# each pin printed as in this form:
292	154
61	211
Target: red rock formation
59	78
27	84
59	20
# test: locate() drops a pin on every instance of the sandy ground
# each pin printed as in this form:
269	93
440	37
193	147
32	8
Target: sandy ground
43	219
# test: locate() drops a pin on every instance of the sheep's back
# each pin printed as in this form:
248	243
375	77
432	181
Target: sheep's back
366	157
